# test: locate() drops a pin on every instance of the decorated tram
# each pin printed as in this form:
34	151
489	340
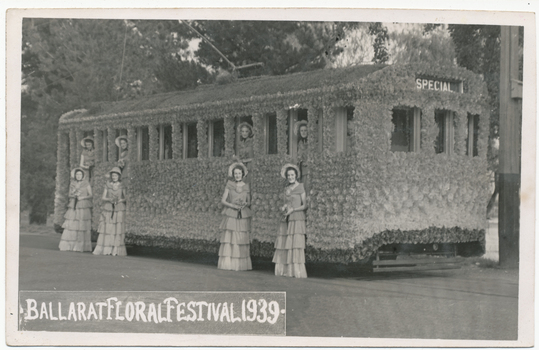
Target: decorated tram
395	161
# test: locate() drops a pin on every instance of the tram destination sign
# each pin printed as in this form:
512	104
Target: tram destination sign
424	83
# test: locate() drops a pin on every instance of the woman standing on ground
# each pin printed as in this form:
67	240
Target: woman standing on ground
111	225
78	218
289	257
234	252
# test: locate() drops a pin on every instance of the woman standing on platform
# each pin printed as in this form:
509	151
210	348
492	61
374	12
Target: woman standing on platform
289	257
78	218
234	252
111	225
87	157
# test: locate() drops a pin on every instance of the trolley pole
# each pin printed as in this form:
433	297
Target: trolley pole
510	148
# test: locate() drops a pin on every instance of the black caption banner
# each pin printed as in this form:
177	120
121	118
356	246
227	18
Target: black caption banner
238	313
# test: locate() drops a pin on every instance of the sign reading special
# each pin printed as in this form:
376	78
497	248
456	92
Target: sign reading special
438	85
245	313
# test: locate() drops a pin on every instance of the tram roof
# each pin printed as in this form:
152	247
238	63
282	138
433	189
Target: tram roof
253	86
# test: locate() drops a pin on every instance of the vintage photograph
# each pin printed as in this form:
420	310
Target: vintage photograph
342	179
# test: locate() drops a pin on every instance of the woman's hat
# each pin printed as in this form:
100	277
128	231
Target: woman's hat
115	170
234	165
74	171
117	141
289	165
87	138
298	125
247	125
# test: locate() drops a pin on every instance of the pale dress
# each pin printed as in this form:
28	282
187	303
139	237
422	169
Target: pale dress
78	219
111	225
289	257
234	252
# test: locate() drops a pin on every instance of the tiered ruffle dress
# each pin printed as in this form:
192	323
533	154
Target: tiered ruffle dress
89	161
289	257
111	225
234	252
78	220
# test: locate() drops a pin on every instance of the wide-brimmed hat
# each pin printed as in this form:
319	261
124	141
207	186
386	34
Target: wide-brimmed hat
247	125
74	171
298	125
115	170
289	165
117	141
234	165
87	138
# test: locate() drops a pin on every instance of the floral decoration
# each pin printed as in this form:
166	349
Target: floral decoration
177	140
359	200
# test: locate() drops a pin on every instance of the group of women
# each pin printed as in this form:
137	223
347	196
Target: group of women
234	250
289	256
77	226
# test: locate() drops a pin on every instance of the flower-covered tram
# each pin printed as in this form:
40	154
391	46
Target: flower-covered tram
394	162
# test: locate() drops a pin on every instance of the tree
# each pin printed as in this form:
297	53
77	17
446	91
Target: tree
282	47
478	49
421	43
380	42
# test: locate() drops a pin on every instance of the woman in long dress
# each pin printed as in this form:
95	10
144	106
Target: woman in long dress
87	157
234	252
112	223
78	218
289	257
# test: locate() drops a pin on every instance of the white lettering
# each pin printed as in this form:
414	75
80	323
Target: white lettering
60	312
71	312
200	304
215	311
100	306
152	313
430	85
110	306
436	83
50	312
224	313
190	306
170	307
140	306
425	83
129	311
234	319
180	312
81	308
418	83
31	307
43	311
161	319
118	317
91	311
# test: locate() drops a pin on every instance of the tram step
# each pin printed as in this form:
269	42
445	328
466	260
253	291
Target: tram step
416	268
416	264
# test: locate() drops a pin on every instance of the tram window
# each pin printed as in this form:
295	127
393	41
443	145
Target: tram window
191	140
239	120
294	116
473	134
349	128
343	128
143	143
216	140
406	135
119	132
402	137
164	140
270	133
105	145
444	140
